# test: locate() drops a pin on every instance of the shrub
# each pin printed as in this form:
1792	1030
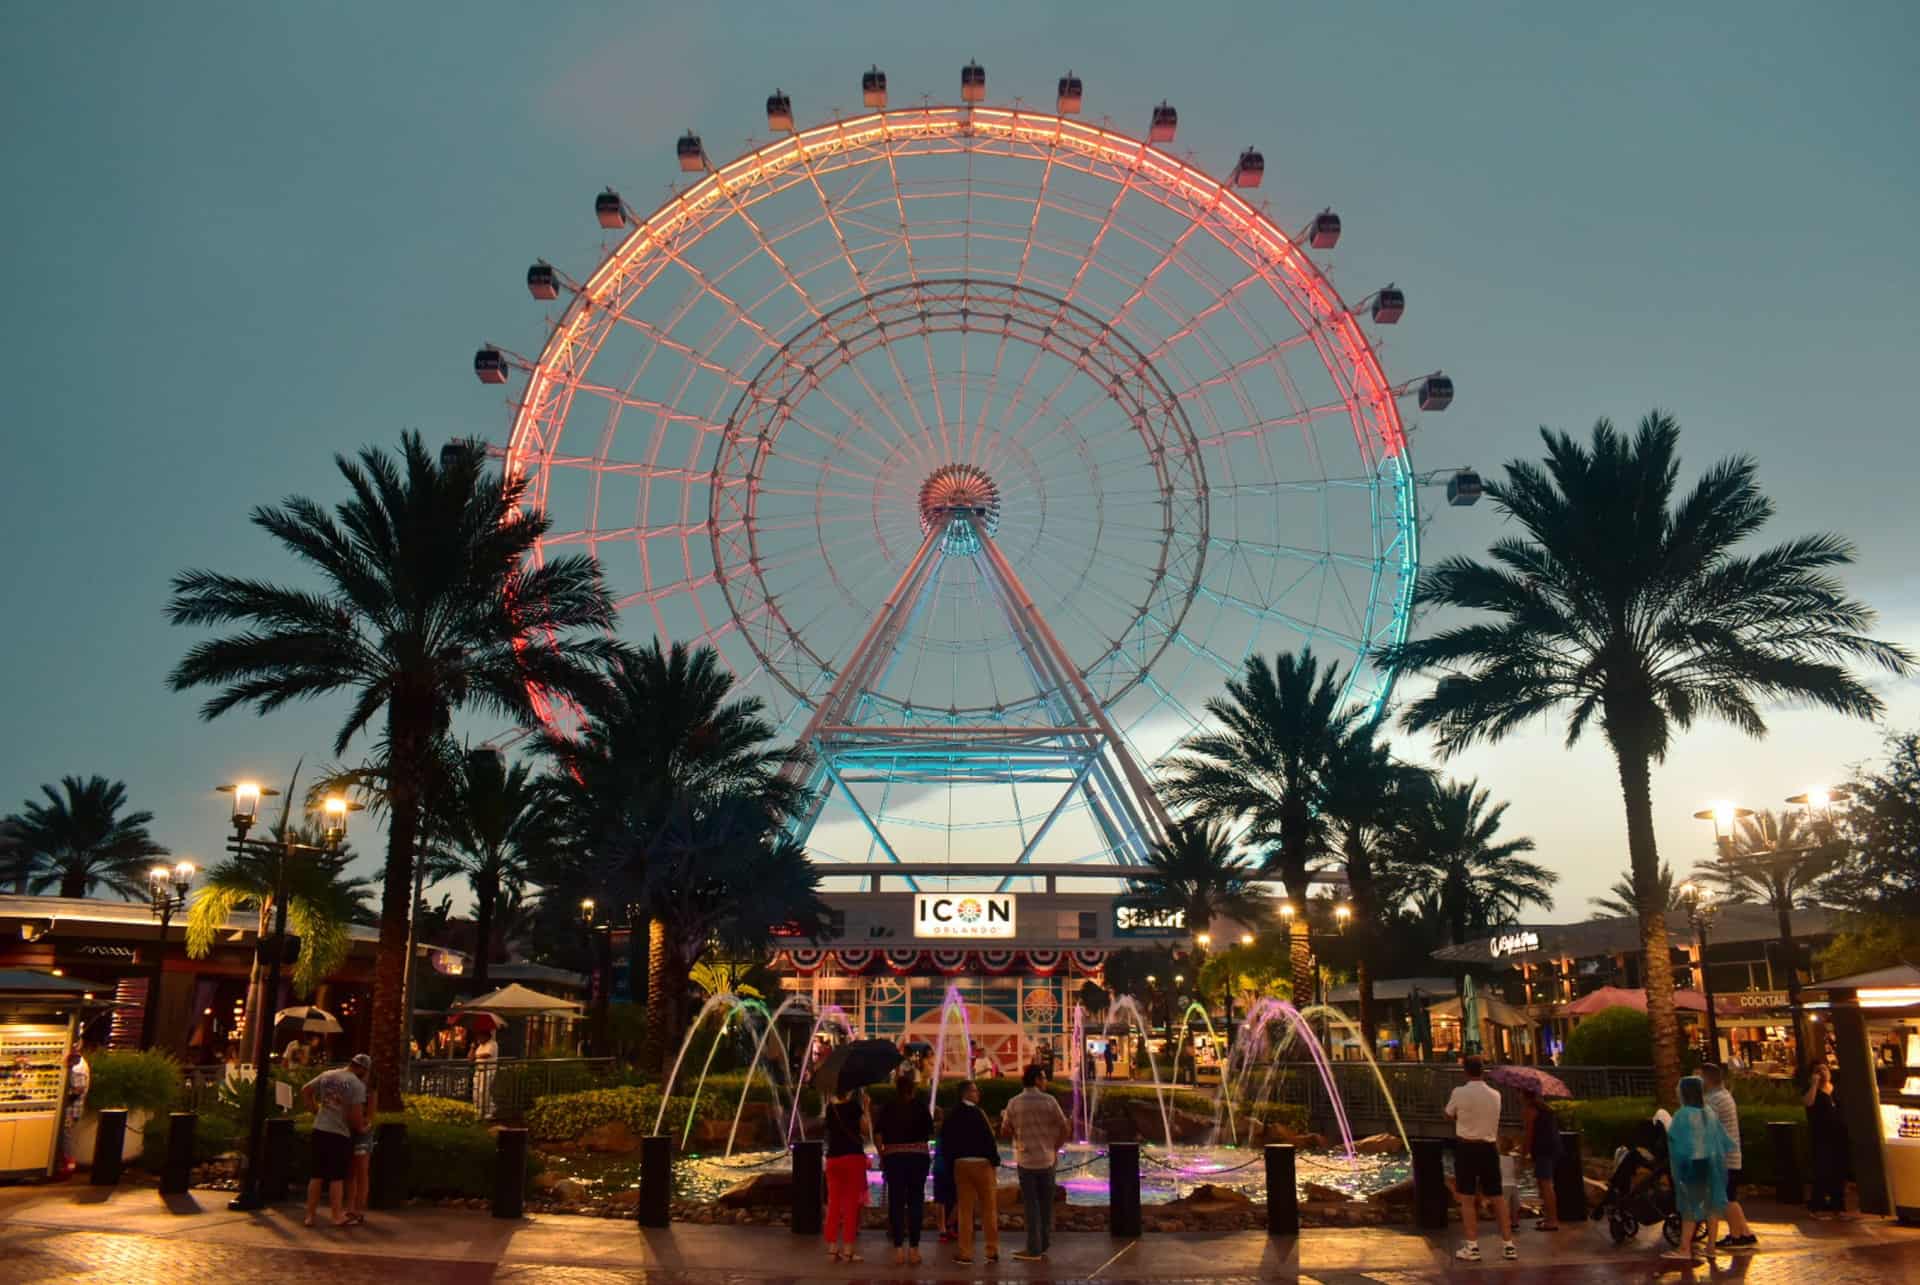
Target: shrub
563	1117
442	1159
138	1081
430	1110
1289	1116
1617	1036
1607	1123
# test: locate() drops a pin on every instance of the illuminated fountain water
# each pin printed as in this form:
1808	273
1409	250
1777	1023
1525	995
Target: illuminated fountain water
953	1002
1329	1013
787	1078
1131	1008
828	1013
735	1008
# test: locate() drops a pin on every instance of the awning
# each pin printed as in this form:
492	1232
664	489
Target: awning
517	1001
1621	997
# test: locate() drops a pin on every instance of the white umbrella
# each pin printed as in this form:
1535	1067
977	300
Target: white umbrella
313	1021
518	1001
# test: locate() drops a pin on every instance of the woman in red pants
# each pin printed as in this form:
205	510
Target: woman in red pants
849	1128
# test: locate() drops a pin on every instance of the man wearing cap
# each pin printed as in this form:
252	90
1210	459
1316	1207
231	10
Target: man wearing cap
338	1099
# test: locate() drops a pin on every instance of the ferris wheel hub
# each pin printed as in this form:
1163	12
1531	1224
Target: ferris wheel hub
955	496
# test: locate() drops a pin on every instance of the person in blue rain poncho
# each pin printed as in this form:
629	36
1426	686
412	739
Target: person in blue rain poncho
1697	1148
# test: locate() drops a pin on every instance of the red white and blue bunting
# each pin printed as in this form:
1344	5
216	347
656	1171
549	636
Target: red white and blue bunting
806	959
1044	962
854	959
998	961
1089	961
949	960
902	961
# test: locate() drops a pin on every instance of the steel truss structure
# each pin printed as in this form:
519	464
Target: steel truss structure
984	444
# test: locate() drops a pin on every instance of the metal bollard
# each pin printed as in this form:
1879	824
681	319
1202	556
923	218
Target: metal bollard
1570	1177
1283	1191
510	1174
279	1160
1430	1195
108	1141
1123	1181
1784	1137
809	1187
176	1173
656	1181
387	1181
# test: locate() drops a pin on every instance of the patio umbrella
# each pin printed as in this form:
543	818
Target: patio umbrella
313	1021
1620	997
1469	1016
854	1064
480	1021
1528	1077
519	1001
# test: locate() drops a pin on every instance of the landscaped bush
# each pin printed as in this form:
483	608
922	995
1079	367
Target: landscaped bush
1607	1123
1617	1036
431	1110
442	1159
1289	1116
137	1081
525	1085
563	1117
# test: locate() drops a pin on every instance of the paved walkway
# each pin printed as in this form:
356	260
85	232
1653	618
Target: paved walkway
77	1234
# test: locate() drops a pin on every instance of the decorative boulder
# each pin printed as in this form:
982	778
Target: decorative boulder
1379	1144
614	1137
775	1188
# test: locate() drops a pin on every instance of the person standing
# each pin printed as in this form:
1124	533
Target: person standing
1542	1133
79	1084
1039	1129
1106	1056
1697	1158
1827	1134
966	1143
338	1100
485	1053
1720	1102
849	1128
360	1173
902	1130
1474	1109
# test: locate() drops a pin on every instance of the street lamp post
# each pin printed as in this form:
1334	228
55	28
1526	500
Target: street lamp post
246	811
167	889
1342	915
1700	912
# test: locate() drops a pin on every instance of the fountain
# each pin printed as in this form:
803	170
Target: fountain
830	1012
786	1067
735	1007
1351	1027
951	1003
1128	1005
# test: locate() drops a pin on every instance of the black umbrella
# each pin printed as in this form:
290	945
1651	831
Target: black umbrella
918	1048
855	1063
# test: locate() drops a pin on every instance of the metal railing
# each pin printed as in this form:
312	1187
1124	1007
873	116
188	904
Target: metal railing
1420	1091
502	1087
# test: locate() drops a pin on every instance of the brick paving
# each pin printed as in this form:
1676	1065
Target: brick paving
69	1235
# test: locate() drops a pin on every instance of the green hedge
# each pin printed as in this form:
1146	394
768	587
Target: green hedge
442	1159
138	1081
1617	1036
1606	1123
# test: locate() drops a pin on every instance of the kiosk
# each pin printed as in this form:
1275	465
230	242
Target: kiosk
1873	1025
39	1021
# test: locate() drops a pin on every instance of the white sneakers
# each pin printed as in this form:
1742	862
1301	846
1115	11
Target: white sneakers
1470	1252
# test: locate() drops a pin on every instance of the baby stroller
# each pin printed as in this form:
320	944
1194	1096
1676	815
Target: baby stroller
1640	1190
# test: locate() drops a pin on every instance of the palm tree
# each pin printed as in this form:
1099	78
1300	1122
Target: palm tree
1625	600
429	603
322	901
721	874
667	730
1622	900
1196	871
496	819
1775	860
78	839
1281	726
1451	863
1371	801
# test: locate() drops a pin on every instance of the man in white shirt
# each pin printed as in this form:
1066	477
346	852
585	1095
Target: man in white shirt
1474	1109
1720	1102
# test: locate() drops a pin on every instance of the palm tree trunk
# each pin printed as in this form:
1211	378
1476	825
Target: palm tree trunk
1636	785
409	720
74	883
1300	955
485	893
1784	911
663	1033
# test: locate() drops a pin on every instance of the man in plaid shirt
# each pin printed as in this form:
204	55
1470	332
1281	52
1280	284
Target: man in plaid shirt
1039	1129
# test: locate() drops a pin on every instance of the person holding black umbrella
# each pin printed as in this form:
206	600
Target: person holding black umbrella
849	1127
902	1131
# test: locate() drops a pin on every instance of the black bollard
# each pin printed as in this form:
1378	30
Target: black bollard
108	1141
809	1186
1784	1137
1123	1181
1430	1195
656	1181
176	1174
1570	1177
1283	1192
279	1161
510	1174
387	1179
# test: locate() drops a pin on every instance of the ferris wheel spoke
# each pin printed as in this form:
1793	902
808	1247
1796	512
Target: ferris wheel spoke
1265	426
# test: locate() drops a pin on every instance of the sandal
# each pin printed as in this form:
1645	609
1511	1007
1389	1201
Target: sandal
913	1256
1544	1225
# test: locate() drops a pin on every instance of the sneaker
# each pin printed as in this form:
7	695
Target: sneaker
1022	1256
1509	1250
1468	1253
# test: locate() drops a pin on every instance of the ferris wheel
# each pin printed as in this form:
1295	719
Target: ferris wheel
984	444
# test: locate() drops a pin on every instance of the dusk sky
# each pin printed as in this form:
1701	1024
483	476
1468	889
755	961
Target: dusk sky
246	237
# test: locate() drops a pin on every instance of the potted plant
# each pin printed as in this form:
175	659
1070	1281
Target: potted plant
146	1084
